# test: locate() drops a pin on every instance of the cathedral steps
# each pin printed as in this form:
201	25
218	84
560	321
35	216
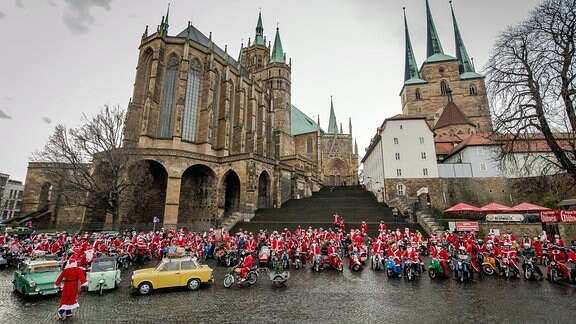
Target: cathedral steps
354	204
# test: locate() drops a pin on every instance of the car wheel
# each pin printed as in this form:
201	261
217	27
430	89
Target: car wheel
144	288
193	284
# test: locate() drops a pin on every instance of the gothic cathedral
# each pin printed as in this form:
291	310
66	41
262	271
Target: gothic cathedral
221	136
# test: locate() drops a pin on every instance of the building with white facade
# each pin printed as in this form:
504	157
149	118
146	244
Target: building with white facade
402	149
11	199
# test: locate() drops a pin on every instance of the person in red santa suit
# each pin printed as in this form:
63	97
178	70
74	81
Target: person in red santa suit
381	227
411	253
314	250
70	277
442	255
395	253
332	252
559	256
558	241
247	263
363	228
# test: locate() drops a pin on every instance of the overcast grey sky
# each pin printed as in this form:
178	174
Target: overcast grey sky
62	58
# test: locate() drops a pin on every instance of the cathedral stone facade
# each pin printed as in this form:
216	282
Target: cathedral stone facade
220	135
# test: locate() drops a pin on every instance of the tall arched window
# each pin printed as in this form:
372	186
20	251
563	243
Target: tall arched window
309	148
215	108
147	64
168	97
191	104
417	94
473	90
444	87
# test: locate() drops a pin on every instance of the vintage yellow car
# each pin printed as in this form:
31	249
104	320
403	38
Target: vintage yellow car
171	272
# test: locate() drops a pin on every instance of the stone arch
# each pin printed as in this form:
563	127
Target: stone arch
45	196
146	201
337	172
197	196
230	188
264	190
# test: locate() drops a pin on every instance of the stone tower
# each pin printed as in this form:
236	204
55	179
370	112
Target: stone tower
444	80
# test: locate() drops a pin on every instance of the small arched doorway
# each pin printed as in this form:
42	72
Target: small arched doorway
231	190
264	190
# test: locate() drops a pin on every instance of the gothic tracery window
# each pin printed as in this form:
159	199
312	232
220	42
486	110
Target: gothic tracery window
168	97
191	103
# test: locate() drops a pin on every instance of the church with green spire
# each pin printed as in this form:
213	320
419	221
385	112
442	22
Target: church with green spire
220	134
445	86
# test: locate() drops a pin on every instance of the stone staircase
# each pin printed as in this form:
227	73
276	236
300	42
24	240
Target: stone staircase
424	216
352	203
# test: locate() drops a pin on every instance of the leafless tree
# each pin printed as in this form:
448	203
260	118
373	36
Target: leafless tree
531	85
92	168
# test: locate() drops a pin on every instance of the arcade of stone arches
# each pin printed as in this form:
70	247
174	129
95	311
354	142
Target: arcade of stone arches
197	197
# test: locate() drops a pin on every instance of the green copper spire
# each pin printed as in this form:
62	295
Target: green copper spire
277	52
434	46
332	125
165	24
411	74
464	63
259	40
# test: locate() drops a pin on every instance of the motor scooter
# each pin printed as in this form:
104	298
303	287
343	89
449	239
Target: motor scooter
463	268
354	262
435	269
393	269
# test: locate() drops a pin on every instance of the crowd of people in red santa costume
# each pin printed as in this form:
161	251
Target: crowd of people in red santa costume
135	247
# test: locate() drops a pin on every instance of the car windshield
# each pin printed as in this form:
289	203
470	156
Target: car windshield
103	265
44	268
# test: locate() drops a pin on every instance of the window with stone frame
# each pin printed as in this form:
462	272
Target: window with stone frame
444	87
168	97
215	108
400	189
473	90
192	102
417	94
309	146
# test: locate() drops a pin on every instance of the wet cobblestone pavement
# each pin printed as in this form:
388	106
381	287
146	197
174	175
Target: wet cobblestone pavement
310	297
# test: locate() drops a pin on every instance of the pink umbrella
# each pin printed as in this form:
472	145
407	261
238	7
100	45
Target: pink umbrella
526	207
461	207
495	207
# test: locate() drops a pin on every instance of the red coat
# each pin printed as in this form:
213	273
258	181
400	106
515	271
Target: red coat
70	277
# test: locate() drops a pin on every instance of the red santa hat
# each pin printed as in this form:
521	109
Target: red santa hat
72	262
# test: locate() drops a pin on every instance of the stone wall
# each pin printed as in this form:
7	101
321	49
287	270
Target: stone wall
446	192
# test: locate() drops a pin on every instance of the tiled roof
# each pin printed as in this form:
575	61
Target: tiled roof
452	115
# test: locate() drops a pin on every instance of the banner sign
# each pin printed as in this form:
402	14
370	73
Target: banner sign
549	216
558	216
504	217
467	226
568	216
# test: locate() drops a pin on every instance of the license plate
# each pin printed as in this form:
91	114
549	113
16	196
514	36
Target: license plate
48	292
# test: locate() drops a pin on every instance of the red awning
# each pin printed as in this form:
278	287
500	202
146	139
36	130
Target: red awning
462	207
526	207
494	207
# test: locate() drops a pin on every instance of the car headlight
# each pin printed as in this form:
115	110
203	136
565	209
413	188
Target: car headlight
32	283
